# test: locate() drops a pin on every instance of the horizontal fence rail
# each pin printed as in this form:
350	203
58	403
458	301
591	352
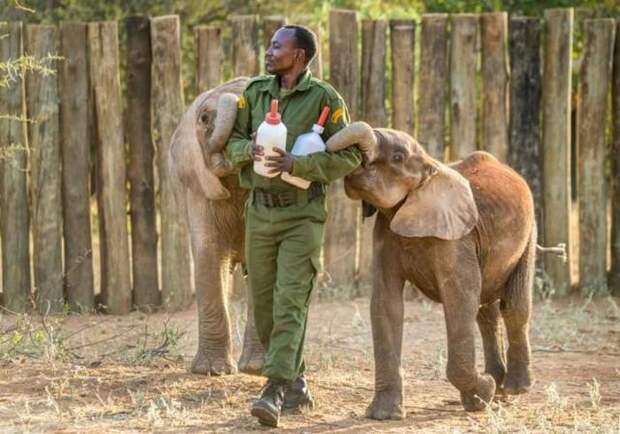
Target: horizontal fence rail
86	204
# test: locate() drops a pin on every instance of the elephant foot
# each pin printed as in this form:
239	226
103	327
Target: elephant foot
518	380
213	365
478	398
251	361
498	372
386	405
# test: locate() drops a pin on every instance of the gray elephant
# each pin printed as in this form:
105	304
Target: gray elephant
208	194
464	234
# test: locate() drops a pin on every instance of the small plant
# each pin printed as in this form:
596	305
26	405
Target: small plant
595	394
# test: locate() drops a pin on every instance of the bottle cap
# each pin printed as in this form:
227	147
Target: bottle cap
273	117
323	116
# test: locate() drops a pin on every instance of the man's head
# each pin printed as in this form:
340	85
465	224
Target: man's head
292	48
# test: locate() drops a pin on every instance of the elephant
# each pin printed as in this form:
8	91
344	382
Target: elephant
465	235
209	197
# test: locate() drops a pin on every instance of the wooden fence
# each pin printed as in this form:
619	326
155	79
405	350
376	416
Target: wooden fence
477	83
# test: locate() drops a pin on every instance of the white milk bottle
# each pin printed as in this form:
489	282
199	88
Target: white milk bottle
306	144
271	134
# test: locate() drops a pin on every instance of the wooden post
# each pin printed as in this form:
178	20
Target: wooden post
14	217
614	274
556	141
141	154
463	59
316	67
402	40
433	85
341	232
46	184
494	29
245	45
75	142
373	72
209	57
270	25
111	172
373	112
525	151
592	154
167	98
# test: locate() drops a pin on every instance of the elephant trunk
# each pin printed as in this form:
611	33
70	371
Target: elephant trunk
358	133
224	122
213	137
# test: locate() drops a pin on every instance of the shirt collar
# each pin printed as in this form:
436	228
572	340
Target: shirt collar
273	85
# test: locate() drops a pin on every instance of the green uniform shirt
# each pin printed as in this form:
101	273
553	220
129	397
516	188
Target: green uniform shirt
300	109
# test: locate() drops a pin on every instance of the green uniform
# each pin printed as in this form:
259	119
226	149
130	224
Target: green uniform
283	243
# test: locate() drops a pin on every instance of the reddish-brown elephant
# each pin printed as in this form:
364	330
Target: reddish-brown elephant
464	234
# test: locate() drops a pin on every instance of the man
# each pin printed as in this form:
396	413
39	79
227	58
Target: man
284	224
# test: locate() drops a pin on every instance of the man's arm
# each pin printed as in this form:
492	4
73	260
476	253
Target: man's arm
240	141
326	167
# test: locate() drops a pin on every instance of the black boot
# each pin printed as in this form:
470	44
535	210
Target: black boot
297	395
269	406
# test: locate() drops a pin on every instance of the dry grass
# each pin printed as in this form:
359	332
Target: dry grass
125	374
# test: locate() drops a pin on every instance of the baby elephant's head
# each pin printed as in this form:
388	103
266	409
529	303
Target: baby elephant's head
430	199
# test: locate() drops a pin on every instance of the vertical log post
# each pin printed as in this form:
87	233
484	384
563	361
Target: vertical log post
402	41
373	112
46	185
167	98
245	45
270	25
373	72
556	141
14	216
433	84
316	67
111	171
209	57
525	152
494	30
592	154
75	142
341	232
463	59
614	275
141	154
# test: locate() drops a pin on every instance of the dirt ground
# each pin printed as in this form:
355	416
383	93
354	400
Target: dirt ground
78	373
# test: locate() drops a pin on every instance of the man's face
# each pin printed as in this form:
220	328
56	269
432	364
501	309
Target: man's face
282	54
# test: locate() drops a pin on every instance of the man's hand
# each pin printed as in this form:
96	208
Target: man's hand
282	162
256	151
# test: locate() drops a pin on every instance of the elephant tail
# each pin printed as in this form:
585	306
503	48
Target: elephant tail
520	284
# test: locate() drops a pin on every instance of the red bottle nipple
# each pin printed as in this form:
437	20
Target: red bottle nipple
273	117
323	116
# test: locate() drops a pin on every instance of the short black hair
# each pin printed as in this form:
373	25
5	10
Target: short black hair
305	39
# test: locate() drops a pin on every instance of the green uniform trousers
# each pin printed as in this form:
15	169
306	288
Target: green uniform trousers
282	248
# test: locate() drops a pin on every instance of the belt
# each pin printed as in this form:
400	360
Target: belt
281	199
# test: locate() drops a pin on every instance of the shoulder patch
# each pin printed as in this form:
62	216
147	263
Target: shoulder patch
337	115
241	102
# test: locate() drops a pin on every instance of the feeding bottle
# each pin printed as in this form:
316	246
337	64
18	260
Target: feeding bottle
308	143
271	134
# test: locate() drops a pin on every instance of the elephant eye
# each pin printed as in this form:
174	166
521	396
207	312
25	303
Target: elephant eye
397	158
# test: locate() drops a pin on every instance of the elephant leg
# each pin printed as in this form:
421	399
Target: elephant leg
210	251
516	310
386	312
489	323
460	297
253	353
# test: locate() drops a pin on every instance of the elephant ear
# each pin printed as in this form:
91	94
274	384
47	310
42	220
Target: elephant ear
443	207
